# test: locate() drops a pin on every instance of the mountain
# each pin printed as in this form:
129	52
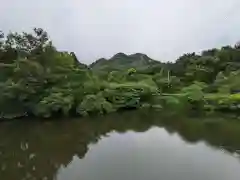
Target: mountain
122	61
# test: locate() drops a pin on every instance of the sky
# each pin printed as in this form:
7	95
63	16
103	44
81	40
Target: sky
162	29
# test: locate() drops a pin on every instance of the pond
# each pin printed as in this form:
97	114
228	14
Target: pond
124	146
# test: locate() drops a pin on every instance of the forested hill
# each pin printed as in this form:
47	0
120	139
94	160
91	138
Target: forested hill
38	80
191	67
122	61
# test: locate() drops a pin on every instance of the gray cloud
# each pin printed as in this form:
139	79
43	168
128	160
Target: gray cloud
100	28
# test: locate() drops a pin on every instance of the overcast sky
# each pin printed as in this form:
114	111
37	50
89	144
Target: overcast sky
162	29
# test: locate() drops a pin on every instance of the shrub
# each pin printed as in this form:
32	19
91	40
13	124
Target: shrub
57	102
94	104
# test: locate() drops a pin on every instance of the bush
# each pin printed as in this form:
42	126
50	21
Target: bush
193	92
54	103
129	95
94	104
224	102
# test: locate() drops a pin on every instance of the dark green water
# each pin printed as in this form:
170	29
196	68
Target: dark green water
126	146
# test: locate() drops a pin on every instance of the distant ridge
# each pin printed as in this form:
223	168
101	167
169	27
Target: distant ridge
121	61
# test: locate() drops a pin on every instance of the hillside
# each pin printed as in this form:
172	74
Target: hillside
122	61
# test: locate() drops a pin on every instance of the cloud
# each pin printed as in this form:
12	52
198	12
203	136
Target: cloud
100	28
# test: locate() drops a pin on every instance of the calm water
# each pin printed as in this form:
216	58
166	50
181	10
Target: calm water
127	146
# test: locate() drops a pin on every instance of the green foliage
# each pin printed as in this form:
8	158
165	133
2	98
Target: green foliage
227	83
94	104
116	76
131	71
224	101
55	102
123	95
193	92
170	101
166	82
37	79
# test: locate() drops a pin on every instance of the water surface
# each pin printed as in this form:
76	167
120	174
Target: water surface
129	146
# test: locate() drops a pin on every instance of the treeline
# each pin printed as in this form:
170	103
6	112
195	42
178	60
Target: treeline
38	80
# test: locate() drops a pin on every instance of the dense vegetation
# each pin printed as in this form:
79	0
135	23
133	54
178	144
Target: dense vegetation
38	80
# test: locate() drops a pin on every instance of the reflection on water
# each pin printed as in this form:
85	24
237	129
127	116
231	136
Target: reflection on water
129	146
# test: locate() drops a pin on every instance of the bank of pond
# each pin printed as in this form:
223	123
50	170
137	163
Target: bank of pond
103	103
